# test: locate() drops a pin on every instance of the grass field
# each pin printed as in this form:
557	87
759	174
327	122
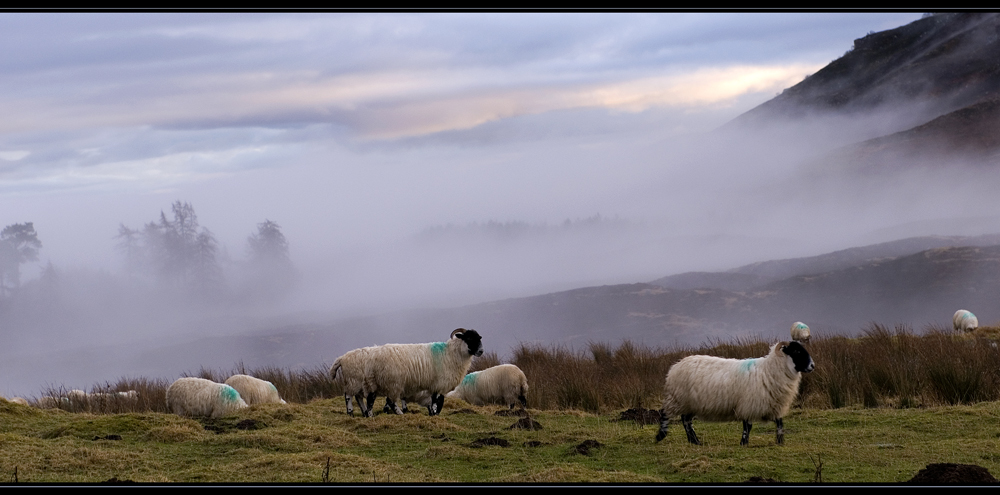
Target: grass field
317	442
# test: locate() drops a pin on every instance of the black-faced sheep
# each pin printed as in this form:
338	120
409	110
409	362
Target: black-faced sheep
800	332
719	389
964	321
405	370
254	390
192	396
503	384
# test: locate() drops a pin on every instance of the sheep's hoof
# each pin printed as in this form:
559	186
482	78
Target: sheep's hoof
660	435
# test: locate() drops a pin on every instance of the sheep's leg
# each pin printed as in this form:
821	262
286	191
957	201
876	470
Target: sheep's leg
523	401
664	422
745	439
350	407
780	435
403	403
395	405
686	421
360	399
370	412
389	406
437	402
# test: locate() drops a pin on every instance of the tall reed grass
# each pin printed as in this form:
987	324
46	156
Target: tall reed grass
881	368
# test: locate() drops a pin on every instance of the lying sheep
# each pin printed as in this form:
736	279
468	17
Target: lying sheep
348	374
964	321
405	370
191	396
504	384
422	398
254	390
719	389
800	332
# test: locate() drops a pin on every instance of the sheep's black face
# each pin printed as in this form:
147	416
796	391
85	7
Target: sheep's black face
473	340
800	357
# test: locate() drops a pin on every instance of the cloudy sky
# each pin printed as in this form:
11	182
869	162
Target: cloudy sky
355	130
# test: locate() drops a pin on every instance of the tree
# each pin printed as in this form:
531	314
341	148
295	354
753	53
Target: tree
18	244
176	251
268	244
271	268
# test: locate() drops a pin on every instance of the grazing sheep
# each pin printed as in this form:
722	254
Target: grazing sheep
719	389
964	321
404	370
348	373
800	332
504	384
19	400
422	398
254	390
191	396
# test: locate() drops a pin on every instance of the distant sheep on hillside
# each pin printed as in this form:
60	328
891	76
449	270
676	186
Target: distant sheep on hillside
800	332
964	321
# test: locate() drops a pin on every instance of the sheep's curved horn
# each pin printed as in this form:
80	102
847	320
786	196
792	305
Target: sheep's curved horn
457	331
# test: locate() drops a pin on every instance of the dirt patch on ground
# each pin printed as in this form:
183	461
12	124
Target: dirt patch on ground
250	424
953	474
464	411
483	442
525	424
585	447
641	416
533	443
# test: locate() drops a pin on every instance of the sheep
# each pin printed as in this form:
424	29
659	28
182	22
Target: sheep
404	370
504	383
348	372
19	400
422	398
800	332
964	321
720	389
254	390
191	396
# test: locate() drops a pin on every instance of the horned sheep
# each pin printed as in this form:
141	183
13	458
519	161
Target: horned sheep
254	390
505	384
800	332
964	321
190	396
404	370
720	389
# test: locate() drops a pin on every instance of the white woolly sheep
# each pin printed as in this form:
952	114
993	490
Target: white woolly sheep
504	384
348	373
719	389
19	400
405	370
254	390
191	396
800	332
964	321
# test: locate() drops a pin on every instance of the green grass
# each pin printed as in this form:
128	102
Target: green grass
293	442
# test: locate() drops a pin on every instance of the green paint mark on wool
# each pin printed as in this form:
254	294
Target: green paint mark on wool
273	388
229	394
746	364
470	379
437	348
800	326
